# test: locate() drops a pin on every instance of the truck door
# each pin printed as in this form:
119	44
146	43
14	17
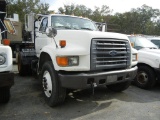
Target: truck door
41	39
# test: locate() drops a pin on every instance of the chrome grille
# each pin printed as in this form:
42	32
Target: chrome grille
110	54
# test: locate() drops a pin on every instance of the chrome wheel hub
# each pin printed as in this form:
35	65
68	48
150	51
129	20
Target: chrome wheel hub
142	77
47	84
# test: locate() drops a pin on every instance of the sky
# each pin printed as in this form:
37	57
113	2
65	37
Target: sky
120	6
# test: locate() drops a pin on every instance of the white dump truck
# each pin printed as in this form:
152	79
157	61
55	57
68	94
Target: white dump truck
68	52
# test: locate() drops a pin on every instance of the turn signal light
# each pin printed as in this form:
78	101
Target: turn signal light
62	43
132	44
135	57
6	42
62	61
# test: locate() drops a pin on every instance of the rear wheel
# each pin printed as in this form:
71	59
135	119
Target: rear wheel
145	78
23	69
53	92
4	94
119	86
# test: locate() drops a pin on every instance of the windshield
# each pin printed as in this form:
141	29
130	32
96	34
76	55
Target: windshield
67	22
141	42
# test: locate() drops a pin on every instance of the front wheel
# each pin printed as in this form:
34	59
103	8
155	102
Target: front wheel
145	78
119	86
53	92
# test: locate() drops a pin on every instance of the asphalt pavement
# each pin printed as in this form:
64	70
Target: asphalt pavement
27	103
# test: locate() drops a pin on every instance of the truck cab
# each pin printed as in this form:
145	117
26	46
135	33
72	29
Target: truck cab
69	52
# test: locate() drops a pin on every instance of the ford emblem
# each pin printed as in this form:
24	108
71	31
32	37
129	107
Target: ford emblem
113	53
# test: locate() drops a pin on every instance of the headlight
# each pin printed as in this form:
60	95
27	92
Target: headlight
65	61
134	57
2	59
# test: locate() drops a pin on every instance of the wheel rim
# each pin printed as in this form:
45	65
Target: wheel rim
47	84
142	77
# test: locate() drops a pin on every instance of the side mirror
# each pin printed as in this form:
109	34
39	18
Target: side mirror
51	32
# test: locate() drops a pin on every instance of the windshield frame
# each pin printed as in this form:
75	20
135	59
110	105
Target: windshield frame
72	23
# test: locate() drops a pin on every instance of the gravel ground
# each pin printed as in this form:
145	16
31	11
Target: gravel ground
27	103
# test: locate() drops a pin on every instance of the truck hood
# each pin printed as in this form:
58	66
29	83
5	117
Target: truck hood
149	56
91	34
151	52
81	39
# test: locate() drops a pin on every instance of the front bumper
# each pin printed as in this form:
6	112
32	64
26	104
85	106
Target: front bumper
84	80
6	79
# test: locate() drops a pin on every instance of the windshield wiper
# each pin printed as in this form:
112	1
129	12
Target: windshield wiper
152	47
87	29
76	28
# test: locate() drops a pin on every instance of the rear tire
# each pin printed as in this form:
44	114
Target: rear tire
53	92
4	94
23	69
145	78
119	86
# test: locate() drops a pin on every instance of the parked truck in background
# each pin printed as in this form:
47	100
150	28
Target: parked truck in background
148	62
6	74
15	39
69	52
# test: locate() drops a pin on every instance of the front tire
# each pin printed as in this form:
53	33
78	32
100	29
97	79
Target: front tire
4	94
119	86
53	92
145	78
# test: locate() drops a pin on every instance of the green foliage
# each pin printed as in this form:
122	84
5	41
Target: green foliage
98	14
23	7
142	20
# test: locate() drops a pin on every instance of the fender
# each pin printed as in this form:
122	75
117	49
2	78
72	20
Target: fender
69	50
50	50
149	60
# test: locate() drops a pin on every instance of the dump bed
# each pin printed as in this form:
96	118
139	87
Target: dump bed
17	37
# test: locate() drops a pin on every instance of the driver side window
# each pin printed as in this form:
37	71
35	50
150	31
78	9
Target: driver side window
43	25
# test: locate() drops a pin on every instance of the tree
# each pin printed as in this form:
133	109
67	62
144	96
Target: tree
78	10
22	7
82	10
141	20
98	15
